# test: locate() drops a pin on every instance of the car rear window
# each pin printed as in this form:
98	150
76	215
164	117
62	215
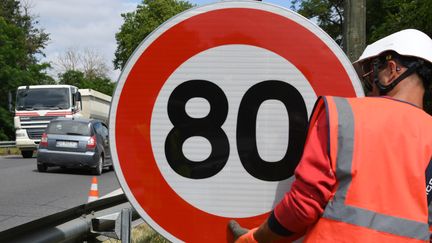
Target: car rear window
69	128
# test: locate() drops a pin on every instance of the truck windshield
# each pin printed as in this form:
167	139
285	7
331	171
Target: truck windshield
43	99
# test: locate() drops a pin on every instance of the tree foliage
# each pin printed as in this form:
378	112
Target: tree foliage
21	42
383	17
327	13
83	81
386	17
89	61
86	70
141	22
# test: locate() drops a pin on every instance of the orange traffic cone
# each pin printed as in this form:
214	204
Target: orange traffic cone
93	193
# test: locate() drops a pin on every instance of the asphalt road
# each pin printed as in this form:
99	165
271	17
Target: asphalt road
26	194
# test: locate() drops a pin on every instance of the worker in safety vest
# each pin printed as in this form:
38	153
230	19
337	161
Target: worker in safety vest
366	162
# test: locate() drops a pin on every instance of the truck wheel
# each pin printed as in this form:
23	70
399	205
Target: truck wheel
99	167
27	153
42	167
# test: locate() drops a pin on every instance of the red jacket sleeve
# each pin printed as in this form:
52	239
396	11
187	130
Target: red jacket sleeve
312	188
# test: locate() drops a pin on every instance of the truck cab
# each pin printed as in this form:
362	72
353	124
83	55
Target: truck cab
37	105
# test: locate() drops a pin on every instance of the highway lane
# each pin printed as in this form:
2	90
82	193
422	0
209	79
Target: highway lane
26	194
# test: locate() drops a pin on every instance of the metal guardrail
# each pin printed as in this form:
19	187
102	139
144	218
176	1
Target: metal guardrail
7	144
71	225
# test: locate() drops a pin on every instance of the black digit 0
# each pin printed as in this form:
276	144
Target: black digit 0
246	130
208	127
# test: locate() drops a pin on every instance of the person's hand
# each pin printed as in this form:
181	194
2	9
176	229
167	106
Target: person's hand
241	235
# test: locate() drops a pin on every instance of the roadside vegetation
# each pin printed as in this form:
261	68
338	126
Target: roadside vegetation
142	234
9	151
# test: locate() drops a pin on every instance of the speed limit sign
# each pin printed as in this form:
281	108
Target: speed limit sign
209	117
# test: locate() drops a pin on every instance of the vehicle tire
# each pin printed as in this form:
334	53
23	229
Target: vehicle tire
27	153
42	167
99	167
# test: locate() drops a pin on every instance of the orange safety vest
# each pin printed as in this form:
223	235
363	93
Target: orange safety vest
379	149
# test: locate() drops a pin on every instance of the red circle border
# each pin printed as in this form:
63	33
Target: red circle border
161	58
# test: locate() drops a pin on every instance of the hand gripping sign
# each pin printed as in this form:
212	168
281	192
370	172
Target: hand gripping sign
209	116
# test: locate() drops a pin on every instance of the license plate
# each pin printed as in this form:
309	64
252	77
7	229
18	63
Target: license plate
67	144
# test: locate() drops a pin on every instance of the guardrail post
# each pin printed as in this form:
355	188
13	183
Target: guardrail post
117	225
126	219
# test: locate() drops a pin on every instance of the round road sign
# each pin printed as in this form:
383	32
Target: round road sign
209	116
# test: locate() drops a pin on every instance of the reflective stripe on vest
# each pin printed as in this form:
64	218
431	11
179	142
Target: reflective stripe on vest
338	210
429	193
430	216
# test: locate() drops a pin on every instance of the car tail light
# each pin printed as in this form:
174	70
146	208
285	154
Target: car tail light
44	140
91	143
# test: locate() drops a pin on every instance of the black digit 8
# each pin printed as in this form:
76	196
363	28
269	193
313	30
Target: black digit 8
246	130
208	127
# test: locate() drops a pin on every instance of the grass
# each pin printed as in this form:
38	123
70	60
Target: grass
9	151
143	234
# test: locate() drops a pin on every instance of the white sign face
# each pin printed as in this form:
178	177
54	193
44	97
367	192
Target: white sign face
210	114
221	66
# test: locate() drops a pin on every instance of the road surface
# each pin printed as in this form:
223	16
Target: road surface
26	194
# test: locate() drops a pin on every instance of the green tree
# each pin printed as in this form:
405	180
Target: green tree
386	17
327	13
383	17
141	22
21	43
83	81
102	84
72	77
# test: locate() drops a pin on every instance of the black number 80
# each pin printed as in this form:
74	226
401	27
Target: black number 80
210	127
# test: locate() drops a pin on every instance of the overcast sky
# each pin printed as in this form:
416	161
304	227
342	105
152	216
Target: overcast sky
89	24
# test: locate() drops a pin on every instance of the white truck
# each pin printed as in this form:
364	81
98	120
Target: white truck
37	105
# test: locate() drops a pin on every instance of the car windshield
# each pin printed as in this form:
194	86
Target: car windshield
43	99
69	128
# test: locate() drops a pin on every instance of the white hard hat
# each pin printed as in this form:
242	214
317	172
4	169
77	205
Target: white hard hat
409	42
